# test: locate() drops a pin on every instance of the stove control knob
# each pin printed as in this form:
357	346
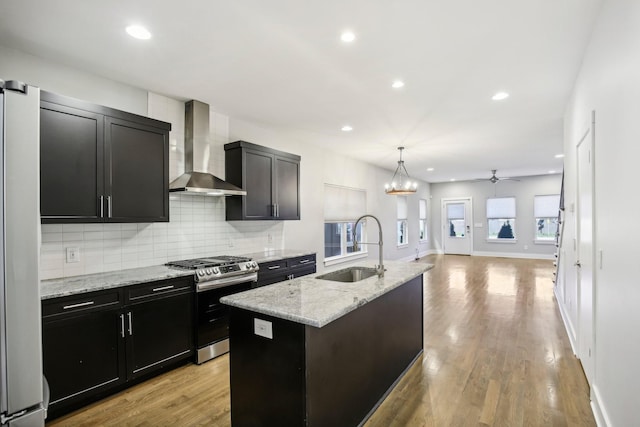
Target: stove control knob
216	270
208	271
254	264
200	273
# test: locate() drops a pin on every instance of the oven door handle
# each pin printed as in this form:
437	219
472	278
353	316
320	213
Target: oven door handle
222	283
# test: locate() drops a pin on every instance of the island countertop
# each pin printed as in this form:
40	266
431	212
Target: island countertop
317	302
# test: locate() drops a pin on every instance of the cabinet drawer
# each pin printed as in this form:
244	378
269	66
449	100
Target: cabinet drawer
158	289
302	261
81	303
272	267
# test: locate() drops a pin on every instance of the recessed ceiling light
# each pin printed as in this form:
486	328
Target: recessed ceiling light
429	169
552	171
500	96
397	84
452	179
139	32
559	156
347	36
347	128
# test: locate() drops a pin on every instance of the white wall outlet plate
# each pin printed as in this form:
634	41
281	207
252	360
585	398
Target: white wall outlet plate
263	328
73	255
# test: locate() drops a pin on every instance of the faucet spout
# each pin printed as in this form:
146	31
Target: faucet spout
380	266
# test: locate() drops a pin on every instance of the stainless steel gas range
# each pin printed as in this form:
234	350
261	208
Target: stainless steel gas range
216	277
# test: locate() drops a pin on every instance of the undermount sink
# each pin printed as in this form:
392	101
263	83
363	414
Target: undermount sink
351	274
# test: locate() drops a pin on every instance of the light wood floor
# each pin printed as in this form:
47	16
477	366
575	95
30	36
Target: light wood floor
496	354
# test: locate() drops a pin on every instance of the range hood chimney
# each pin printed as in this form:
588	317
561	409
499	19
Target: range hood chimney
196	136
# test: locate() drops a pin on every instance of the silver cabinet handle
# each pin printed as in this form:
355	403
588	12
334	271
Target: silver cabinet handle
101	206
130	324
163	288
277	210
122	325
304	261
82	304
109	206
273	267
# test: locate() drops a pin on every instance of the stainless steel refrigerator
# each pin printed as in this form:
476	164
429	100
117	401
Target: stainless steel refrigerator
22	401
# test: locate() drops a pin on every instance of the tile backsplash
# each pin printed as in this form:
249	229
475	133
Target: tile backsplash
197	228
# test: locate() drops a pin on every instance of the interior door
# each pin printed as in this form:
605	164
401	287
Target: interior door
585	245
456	226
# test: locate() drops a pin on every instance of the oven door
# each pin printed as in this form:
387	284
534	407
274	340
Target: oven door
213	318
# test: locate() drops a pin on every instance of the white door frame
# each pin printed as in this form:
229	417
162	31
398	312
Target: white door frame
585	252
468	219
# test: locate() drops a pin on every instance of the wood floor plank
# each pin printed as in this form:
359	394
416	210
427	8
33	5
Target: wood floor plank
495	354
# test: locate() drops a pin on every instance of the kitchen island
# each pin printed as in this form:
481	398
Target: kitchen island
312	352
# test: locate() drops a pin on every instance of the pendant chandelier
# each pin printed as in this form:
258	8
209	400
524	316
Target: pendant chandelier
401	182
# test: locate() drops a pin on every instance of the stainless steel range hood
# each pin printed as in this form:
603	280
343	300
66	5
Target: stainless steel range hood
196	148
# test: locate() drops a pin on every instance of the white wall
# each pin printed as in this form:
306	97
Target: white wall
479	191
609	83
197	225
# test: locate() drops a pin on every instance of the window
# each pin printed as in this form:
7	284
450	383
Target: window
545	211
422	222
456	219
342	207
402	232
501	218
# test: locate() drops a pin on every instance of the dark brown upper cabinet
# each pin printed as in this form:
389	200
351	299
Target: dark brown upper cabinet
98	164
271	179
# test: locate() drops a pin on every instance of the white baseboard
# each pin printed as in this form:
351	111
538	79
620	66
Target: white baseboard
566	319
599	413
524	255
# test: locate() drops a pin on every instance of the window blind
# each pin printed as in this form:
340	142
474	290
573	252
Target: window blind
455	211
343	203
402	207
423	208
501	207
546	206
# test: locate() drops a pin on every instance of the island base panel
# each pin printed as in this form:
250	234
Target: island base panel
334	375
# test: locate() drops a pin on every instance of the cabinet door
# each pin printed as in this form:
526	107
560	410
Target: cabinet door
160	332
82	356
136	175
258	169
287	188
71	164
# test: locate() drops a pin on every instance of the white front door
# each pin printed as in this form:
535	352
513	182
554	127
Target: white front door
585	262
456	226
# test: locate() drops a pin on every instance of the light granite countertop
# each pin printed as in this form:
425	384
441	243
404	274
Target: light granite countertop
317	302
275	255
66	286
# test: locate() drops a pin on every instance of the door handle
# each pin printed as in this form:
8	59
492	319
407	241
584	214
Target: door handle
577	264
109	206
101	206
122	325
130	324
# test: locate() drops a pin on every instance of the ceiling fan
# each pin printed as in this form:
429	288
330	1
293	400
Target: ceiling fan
495	179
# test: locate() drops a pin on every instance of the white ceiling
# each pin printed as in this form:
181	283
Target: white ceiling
281	63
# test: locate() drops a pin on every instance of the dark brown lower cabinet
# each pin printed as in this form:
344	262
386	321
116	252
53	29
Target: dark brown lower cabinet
285	269
336	375
98	343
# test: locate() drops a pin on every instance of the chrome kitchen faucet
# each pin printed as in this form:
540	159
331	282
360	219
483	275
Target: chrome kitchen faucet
380	266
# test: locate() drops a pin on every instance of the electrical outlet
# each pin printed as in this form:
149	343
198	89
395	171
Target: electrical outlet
269	238
230	242
73	254
263	328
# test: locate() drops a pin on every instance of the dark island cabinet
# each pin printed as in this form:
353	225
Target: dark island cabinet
98	343
271	179
98	164
285	269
